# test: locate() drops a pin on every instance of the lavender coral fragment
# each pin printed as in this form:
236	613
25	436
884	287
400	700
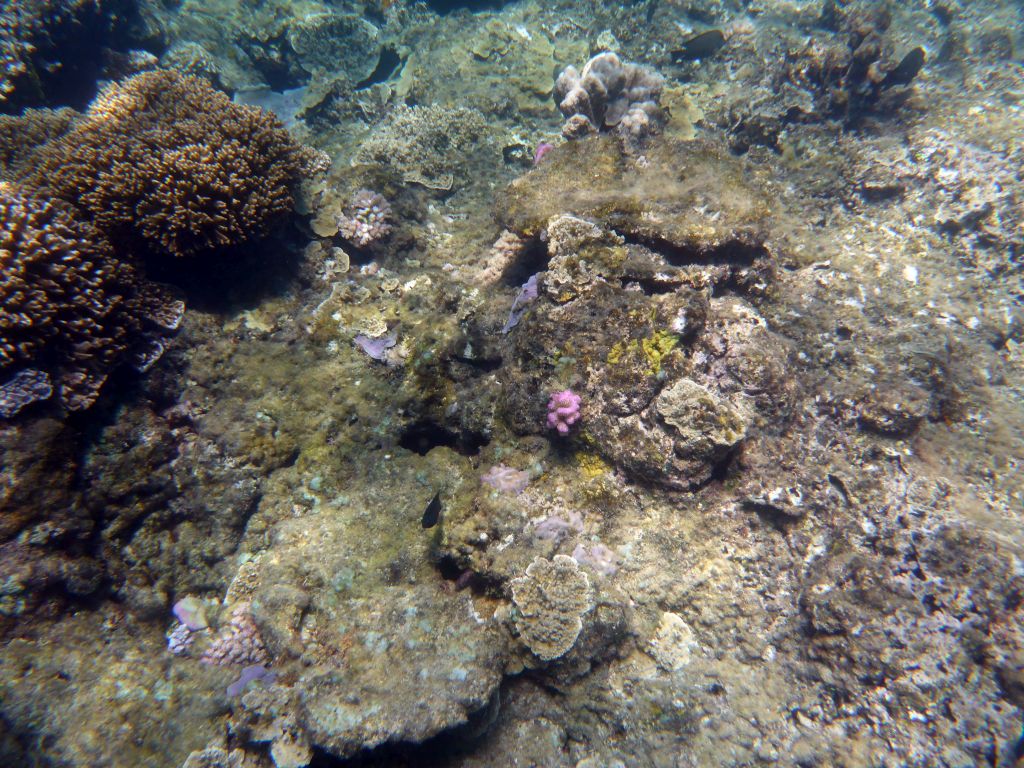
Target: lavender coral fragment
556	528
376	348
598	556
506	479
180	640
190	612
527	294
251	673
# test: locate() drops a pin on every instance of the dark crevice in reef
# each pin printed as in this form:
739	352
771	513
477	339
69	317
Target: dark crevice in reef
388	63
423	436
237	277
480	364
534	258
732	253
651	286
271	61
436	752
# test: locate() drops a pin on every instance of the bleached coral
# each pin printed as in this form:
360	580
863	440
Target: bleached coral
506	479
609	95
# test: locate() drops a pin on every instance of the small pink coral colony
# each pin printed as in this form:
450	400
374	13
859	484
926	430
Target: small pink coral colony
365	220
563	410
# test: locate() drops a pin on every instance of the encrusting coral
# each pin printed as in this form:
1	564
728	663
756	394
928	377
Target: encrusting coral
551	598
69	311
169	161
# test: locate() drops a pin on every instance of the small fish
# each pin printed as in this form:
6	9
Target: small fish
906	70
700	47
433	512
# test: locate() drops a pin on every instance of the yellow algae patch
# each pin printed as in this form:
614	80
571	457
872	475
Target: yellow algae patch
591	465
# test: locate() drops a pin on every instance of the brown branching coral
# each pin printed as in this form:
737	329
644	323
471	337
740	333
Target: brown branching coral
20	134
69	311
169	161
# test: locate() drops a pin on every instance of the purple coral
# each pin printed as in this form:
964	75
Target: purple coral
563	410
191	612
527	294
376	348
251	673
365	218
599	557
238	643
180	640
556	528
506	479
541	152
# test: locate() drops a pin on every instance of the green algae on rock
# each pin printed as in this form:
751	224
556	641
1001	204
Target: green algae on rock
690	197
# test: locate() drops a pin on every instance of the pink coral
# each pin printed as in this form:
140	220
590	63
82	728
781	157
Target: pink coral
238	643
563	410
598	556
556	527
365	219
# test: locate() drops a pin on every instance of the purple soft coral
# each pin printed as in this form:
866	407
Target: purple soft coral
563	410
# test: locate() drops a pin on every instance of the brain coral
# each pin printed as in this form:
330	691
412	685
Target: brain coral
551	597
69	312
168	160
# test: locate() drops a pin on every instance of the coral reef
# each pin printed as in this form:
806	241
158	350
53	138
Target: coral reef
551	599
609	95
71	312
238	642
786	528
167	161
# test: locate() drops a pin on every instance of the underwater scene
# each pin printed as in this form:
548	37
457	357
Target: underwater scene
529	384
